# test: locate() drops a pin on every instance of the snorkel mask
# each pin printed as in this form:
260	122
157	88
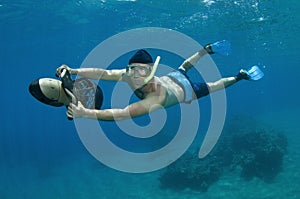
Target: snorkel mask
143	71
142	57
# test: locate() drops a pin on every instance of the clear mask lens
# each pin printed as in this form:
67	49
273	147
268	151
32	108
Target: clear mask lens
138	71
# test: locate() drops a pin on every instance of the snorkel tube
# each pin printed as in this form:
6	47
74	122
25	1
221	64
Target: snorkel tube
155	65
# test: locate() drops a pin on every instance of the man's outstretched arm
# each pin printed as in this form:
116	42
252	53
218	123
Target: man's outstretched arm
94	73
133	110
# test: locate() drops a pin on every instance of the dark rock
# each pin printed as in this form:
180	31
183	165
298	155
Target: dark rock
259	152
191	172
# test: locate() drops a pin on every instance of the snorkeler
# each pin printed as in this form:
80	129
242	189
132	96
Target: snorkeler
154	92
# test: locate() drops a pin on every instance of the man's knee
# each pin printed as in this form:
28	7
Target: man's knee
186	65
215	86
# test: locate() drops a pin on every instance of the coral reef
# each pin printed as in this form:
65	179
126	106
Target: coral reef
190	172
258	152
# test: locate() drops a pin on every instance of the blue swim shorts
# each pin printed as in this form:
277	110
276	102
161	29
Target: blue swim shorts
200	89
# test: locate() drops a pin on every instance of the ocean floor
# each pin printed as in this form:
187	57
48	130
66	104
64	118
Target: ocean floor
83	177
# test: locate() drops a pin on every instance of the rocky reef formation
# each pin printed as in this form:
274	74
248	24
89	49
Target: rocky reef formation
257	151
190	172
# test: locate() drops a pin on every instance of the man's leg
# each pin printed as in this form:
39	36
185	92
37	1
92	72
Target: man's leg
221	84
191	61
227	81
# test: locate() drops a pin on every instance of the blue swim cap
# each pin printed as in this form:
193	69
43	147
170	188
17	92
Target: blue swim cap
141	56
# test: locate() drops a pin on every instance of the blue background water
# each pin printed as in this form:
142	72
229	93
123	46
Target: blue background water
41	155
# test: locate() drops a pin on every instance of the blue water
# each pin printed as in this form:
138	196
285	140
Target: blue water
41	155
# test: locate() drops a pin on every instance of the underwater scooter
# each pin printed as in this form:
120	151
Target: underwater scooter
53	92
